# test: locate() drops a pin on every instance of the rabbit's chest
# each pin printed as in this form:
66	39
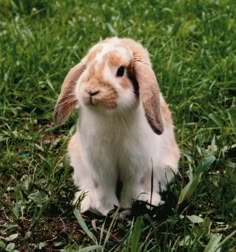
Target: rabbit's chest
119	152
123	145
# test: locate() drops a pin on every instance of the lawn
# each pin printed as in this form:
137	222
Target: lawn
193	51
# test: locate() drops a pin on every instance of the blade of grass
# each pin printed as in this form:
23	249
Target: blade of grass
84	226
91	248
190	188
213	244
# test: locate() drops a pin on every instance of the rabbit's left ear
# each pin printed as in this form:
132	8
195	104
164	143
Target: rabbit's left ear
67	100
149	91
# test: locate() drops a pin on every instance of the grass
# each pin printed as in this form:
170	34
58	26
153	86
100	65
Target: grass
192	47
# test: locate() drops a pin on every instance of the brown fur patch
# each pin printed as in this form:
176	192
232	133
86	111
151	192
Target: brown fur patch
139	53
125	84
107	96
113	59
90	73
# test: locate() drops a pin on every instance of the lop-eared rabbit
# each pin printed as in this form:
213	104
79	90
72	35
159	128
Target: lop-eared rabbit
124	131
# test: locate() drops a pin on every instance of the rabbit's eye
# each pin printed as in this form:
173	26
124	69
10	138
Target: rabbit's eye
120	71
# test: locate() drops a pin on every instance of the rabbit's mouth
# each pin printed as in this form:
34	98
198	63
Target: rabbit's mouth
89	100
103	103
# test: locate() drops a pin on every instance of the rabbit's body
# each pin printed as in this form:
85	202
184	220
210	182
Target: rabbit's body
118	137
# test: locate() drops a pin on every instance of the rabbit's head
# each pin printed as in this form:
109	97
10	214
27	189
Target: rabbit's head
115	76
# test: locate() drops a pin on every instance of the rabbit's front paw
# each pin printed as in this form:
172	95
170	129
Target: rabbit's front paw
92	201
105	209
106	203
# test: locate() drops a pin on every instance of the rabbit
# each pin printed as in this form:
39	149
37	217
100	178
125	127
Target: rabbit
124	131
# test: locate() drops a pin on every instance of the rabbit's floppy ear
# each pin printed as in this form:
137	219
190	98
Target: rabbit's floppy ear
150	95
148	87
67	100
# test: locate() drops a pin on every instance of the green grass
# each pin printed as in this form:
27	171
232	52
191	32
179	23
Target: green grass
193	50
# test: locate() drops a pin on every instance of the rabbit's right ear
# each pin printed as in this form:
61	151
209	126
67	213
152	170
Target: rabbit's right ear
67	100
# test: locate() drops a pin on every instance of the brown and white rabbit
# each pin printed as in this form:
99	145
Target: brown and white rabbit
125	130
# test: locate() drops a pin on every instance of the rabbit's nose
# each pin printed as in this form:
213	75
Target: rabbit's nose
93	93
90	97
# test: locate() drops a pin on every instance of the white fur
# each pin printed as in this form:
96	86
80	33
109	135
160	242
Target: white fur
125	146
